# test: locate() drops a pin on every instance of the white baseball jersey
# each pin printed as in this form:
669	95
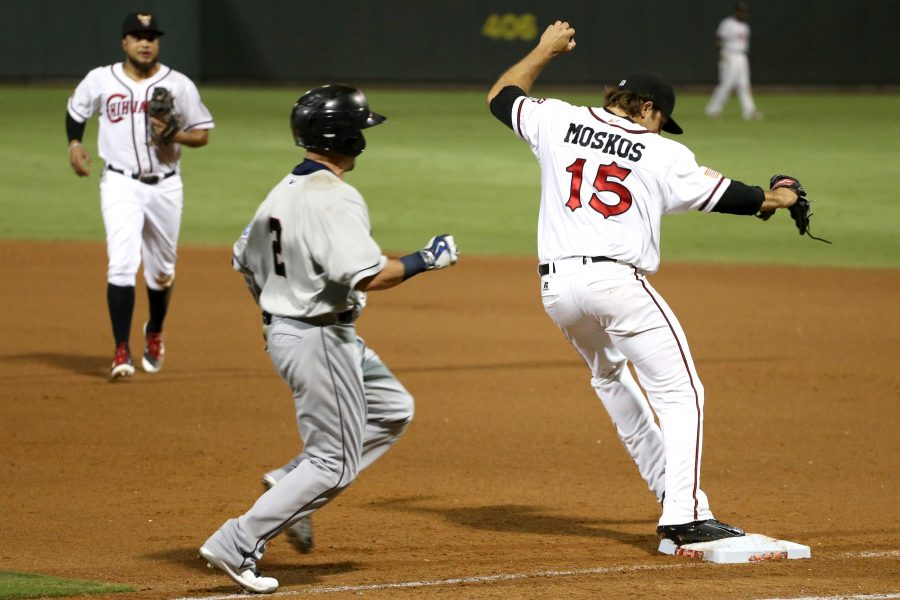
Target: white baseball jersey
121	102
309	244
606	182
734	35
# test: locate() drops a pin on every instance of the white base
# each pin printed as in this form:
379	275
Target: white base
751	548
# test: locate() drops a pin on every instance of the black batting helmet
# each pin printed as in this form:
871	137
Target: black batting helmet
332	117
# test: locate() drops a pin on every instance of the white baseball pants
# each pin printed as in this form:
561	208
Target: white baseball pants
611	315
142	223
734	73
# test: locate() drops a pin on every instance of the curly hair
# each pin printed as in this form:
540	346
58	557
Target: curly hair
628	101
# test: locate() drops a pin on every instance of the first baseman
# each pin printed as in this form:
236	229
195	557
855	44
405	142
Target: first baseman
141	192
309	258
607	178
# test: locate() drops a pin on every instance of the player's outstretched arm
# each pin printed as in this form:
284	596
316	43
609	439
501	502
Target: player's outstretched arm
783	197
440	252
558	38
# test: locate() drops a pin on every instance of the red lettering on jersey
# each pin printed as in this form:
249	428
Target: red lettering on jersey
575	169
116	107
602	183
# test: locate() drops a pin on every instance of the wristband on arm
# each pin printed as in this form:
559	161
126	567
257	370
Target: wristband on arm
413	264
74	129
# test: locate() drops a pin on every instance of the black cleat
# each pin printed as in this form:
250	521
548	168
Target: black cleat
698	531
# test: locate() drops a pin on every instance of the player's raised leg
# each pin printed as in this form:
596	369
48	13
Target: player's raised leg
389	408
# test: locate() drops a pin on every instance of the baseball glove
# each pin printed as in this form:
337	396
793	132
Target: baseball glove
800	211
162	107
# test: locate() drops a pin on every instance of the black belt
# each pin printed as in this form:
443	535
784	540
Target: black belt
544	269
344	318
148	178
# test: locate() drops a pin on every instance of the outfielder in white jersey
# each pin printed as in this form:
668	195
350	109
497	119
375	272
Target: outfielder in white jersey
141	192
309	258
733	40
607	178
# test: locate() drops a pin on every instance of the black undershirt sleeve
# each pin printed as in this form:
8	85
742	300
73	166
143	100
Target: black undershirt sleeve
740	199
502	103
74	129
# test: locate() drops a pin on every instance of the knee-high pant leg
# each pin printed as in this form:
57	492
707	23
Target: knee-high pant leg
322	365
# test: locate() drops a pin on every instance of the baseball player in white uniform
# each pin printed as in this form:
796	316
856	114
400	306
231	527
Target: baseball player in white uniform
141	192
733	40
607	178
309	258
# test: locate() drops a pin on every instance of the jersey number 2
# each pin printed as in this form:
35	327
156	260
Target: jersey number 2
275	229
602	183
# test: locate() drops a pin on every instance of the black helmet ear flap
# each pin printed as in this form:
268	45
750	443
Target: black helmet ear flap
332	118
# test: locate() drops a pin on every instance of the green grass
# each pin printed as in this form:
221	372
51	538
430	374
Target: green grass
26	585
442	163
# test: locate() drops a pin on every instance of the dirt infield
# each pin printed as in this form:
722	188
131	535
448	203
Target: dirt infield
510	483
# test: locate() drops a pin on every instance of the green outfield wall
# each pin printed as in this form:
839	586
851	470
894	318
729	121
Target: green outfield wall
794	42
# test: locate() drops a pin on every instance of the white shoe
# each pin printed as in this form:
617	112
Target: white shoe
250	580
154	352
300	534
755	116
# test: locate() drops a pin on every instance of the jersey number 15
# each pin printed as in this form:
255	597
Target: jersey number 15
602	183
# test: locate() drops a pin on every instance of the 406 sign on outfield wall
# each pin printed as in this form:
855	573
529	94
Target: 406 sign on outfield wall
510	27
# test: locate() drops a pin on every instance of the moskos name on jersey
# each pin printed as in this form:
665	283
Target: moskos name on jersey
608	143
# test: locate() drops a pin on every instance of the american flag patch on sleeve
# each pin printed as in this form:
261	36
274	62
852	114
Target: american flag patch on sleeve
710	173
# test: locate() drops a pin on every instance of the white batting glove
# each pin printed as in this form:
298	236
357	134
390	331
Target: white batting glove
440	252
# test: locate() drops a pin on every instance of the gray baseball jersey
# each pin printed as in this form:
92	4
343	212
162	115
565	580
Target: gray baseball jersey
307	247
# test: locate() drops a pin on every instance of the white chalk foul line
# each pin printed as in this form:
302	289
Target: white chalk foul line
542	574
880	554
843	597
452	581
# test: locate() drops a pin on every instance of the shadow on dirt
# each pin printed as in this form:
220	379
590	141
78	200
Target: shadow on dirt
90	365
518	518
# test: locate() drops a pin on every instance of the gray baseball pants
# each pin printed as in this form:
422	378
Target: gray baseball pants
350	410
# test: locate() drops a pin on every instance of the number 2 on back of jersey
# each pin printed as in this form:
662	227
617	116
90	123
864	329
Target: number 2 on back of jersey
275	230
602	183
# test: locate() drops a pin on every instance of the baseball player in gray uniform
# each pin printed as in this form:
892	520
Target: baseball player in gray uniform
141	193
607	178
309	258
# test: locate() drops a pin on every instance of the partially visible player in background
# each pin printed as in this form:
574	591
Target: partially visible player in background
141	192
733	41
309	258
